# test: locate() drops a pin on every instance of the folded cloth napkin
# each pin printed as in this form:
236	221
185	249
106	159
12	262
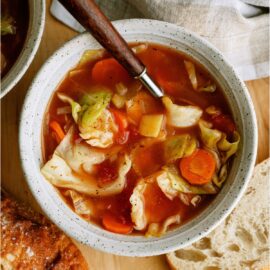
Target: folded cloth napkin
239	29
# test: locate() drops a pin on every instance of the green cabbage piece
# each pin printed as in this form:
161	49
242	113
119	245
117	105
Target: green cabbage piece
75	107
209	87
90	56
181	185
222	176
101	133
228	148
92	107
179	146
7	27
209	136
89	108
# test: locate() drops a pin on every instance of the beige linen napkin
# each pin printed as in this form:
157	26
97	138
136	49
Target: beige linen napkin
237	29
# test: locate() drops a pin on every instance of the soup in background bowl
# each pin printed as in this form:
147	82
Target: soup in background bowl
22	23
131	165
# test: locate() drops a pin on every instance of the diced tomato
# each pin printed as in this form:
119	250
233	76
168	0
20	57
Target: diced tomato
107	172
134	134
120	119
224	123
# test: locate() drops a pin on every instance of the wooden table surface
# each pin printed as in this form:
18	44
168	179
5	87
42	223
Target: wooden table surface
55	34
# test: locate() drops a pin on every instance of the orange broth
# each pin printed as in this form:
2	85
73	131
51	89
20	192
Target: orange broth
166	66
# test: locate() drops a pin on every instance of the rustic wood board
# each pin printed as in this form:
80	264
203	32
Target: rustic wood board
55	35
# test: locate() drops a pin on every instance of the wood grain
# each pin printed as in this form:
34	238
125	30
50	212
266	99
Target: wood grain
259	91
12	176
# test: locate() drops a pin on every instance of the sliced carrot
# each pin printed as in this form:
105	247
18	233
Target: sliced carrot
58	131
116	224
109	71
198	169
120	119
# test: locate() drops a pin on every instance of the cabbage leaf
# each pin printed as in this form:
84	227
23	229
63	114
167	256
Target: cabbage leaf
158	229
138	215
101	132
209	136
70	167
82	205
75	107
228	148
179	146
181	185
181	116
95	122
7	25
222	176
92	107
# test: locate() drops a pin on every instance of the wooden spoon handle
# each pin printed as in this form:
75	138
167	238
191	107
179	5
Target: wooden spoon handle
92	18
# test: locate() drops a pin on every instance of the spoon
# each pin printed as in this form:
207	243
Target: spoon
93	19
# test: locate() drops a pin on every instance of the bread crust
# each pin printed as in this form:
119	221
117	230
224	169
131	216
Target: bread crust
241	241
30	241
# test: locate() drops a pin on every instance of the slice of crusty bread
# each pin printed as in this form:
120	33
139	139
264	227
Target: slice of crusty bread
241	242
30	241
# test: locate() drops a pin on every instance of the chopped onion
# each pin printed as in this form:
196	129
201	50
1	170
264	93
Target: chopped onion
209	87
196	200
213	110
140	48
121	89
190	68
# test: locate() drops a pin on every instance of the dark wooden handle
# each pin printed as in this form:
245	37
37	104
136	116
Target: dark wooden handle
92	18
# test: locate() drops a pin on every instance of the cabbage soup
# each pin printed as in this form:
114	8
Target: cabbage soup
132	163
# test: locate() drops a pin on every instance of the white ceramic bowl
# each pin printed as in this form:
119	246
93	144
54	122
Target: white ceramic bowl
41	91
32	41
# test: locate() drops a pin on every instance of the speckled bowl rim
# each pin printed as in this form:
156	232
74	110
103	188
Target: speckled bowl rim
30	47
87	233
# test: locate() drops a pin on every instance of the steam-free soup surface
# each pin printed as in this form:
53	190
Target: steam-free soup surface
132	163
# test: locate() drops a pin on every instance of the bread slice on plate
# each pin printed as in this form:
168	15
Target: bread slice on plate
30	241
241	242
